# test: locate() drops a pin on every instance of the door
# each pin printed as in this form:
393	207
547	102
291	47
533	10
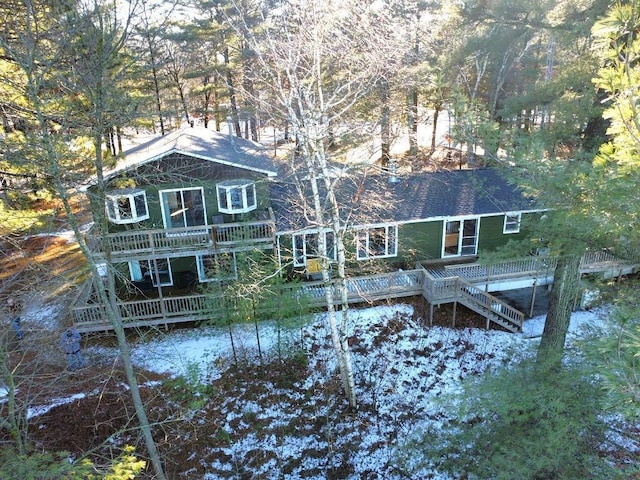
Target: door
461	237
183	208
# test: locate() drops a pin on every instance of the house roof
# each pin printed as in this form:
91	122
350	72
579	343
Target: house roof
413	198
200	143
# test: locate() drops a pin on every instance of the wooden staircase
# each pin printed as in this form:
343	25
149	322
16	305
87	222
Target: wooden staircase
441	289
491	308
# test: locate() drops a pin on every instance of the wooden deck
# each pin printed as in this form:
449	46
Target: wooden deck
187	241
468	285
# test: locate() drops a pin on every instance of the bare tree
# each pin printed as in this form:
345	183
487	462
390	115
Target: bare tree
318	59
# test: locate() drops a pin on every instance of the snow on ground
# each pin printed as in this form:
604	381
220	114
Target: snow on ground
178	352
401	370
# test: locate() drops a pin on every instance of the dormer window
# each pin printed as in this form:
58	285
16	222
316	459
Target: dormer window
236	196
127	206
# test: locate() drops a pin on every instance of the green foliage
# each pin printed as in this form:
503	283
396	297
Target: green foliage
519	423
47	466
190	389
614	180
615	354
24	219
258	293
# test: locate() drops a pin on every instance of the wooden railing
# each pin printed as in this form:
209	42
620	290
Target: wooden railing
368	288
492	308
194	307
220	237
534	265
436	289
146	312
439	290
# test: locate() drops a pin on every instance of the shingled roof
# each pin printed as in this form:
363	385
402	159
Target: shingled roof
414	198
200	143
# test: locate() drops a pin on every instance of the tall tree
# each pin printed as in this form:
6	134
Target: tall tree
317	60
615	176
151	23
73	71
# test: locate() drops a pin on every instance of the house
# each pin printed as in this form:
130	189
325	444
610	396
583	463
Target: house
178	208
444	216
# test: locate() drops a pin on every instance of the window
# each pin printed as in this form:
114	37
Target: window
217	267
461	237
305	246
126	206
183	207
236	196
512	223
158	270
378	242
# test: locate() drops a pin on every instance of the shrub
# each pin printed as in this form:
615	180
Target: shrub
522	422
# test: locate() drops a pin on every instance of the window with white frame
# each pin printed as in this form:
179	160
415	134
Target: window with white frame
305	246
512	223
183	207
236	196
158	270
126	206
217	267
461	237
378	242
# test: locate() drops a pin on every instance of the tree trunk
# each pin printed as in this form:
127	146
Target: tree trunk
412	123
156	85
106	291
563	297
436	115
235	119
385	127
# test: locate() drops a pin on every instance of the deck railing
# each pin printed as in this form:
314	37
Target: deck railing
492	308
223	237
534	265
194	307
437	289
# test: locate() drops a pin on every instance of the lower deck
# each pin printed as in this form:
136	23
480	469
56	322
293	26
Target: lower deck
477	286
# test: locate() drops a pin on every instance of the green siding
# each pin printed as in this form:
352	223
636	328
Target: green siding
491	236
420	241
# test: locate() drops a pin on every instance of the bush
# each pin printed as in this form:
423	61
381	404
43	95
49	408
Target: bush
522	422
47	466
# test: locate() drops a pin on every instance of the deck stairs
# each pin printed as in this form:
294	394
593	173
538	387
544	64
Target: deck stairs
442	286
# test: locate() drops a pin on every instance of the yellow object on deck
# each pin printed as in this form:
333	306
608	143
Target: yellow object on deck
314	265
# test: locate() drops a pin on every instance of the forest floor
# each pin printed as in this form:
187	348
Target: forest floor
258	417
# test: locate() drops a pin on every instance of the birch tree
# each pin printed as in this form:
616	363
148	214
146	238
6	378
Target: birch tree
318	59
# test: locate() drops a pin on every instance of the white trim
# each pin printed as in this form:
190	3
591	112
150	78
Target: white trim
135	270
305	255
517	215
364	234
202	274
227	187
460	236
111	206
134	164
269	173
163	209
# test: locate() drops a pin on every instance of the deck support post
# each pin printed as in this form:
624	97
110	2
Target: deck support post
533	297
455	301
455	306
430	314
